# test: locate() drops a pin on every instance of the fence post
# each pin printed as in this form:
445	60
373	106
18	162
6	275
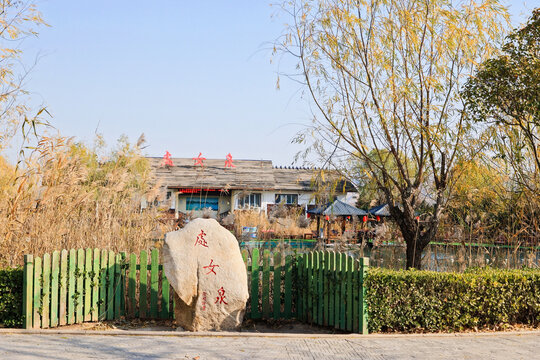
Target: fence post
300	286
266	285
28	281
255	314
276	298
364	264
37	294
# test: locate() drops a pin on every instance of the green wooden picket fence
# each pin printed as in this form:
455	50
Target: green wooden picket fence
92	285
331	290
323	288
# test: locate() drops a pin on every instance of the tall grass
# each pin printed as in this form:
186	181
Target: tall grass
67	196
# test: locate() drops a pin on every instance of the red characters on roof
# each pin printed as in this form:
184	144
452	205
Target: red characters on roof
229	161
199	160
167	161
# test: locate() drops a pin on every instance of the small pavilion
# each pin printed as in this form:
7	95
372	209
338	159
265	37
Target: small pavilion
337	209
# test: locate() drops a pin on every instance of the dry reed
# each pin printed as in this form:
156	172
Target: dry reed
66	196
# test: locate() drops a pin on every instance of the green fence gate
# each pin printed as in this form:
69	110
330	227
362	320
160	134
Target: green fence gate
67	287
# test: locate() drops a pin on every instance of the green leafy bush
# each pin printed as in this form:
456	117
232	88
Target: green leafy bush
11	296
414	301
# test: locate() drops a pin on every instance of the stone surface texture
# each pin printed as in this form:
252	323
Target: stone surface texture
204	266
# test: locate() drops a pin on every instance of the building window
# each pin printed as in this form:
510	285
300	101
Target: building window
168	195
250	200
197	203
288	199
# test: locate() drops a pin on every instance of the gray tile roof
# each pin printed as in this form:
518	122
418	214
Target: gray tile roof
338	208
246	175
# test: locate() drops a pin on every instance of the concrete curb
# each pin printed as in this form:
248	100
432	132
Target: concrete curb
254	334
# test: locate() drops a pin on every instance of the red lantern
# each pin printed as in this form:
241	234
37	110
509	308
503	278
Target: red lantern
348	218
364	219
327	218
418	218
378	218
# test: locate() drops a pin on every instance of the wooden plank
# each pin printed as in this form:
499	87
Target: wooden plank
355	295
331	286
288	286
62	306
337	291
110	286
123	283
314	287
305	287
143	280
364	265
326	272
87	311
79	286
266	284
276	293
117	286
299	286
132	286
310	293
314	283
46	291
255	314
103	267
165	297
343	293
349	310
71	286
37	293
55	272
95	286
154	283
320	290
245	257
28	289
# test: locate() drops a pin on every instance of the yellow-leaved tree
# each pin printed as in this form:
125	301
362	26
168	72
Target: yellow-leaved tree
18	20
384	78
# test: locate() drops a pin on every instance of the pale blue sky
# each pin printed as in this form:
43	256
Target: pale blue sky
193	76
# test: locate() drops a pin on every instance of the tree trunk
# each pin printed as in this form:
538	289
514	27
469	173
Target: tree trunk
414	254
417	235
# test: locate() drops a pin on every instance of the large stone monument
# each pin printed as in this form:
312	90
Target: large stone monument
205	268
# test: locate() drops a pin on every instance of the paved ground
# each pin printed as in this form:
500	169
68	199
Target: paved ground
78	347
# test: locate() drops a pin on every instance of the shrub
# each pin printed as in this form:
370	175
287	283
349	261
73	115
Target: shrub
417	301
11	296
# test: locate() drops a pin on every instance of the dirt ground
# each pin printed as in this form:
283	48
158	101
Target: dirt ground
250	326
282	326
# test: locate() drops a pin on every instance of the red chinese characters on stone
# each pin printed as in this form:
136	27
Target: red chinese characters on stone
204	300
221	297
201	240
199	160
211	267
167	161
229	161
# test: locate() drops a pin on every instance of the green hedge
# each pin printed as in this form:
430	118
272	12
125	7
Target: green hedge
11	296
426	301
